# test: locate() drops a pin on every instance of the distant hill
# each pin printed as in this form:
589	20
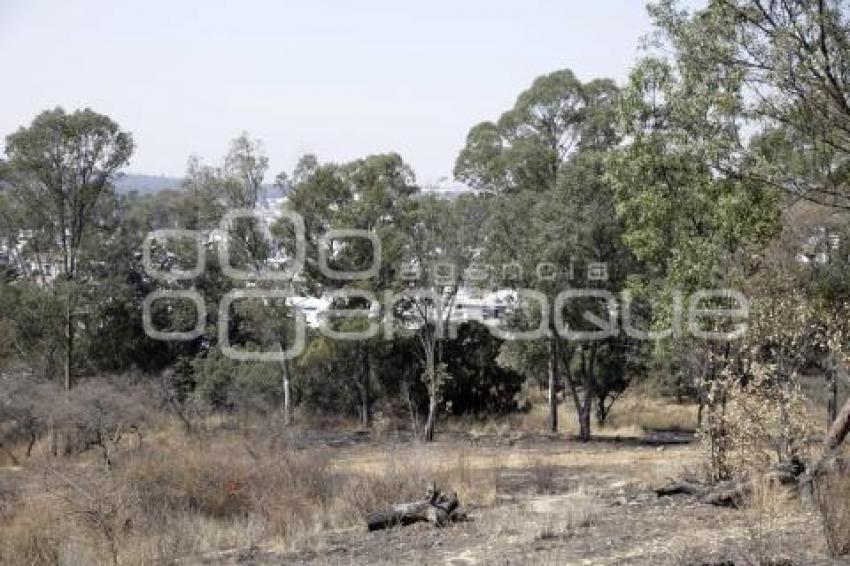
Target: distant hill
149	184
146	184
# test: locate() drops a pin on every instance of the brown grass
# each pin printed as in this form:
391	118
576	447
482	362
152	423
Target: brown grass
182	496
631	416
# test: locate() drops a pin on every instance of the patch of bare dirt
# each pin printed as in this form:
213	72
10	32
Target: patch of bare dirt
564	503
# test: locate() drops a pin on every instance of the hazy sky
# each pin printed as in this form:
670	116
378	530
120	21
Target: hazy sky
339	79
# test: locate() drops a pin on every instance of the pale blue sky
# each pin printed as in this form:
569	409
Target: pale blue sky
340	79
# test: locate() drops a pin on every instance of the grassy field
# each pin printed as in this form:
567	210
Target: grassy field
253	491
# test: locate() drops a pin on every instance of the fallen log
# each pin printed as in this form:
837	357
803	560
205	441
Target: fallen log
437	508
732	493
723	494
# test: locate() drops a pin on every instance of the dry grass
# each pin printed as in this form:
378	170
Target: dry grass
182	496
251	484
767	510
631	416
652	413
581	511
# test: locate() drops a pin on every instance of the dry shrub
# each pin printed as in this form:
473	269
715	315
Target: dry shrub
832	492
751	424
397	479
293	492
638	411
185	483
582	514
232	493
404	476
9	496
97	414
178	497
95	508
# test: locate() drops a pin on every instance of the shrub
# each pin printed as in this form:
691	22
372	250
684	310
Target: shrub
752	422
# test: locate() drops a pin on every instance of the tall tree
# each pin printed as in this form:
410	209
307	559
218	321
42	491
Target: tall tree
444	239
61	167
526	158
790	59
372	195
695	208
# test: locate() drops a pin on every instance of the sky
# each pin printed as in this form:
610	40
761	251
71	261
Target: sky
340	79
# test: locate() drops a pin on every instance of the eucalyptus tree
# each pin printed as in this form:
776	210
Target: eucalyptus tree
372	197
60	169
226	200
693	194
791	61
525	160
443	241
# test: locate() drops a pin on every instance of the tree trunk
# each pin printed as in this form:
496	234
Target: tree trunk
69	344
413	412
431	423
287	395
839	429
584	420
365	400
553	384
601	411
832	392
285	383
587	368
54	441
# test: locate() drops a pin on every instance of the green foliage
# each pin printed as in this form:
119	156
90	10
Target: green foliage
227	384
59	169
788	59
690	217
475	383
31	328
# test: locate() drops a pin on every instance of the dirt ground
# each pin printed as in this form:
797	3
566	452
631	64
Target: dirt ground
552	500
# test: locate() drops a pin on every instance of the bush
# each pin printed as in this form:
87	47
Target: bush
752	422
476	383
223	383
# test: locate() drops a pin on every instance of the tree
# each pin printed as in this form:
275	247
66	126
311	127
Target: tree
692	213
371	195
444	239
790	59
208	195
699	197
526	160
61	167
